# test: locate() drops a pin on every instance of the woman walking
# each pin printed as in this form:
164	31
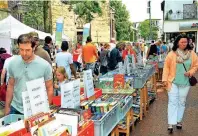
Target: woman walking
176	79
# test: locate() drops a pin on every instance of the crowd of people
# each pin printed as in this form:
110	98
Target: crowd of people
30	60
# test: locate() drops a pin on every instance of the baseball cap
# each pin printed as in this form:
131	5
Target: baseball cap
34	35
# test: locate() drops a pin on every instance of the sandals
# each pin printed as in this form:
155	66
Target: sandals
179	126
170	129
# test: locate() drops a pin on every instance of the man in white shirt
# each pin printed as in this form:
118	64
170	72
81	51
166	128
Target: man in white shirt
5	73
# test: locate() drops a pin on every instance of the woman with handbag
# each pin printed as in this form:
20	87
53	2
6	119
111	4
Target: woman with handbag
179	67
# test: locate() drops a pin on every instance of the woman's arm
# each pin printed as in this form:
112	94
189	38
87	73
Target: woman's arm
194	64
166	69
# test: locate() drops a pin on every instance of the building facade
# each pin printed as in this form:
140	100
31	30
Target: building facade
59	9
102	27
3	9
180	17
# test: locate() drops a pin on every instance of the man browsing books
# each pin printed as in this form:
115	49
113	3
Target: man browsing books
23	68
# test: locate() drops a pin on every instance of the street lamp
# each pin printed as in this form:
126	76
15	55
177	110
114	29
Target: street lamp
150	22
112	12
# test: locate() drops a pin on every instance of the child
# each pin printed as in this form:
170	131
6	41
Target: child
62	78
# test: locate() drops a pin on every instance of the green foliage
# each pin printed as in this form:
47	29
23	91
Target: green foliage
86	9
144	28
34	15
122	22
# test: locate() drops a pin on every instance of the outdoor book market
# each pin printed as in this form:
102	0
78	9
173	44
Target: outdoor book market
108	105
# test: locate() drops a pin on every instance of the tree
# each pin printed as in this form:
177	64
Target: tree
122	22
144	28
34	16
86	9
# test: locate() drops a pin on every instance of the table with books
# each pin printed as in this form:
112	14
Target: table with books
139	82
86	111
40	119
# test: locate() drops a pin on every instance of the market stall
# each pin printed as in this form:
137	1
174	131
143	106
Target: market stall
118	99
11	29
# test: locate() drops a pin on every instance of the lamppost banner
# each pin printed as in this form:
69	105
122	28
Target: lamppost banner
86	32
59	31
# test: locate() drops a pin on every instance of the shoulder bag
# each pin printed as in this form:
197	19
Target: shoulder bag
192	80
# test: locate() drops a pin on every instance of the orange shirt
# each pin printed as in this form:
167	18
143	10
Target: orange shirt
89	53
169	70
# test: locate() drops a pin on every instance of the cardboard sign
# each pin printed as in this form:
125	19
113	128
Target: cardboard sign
66	95
88	82
38	96
26	105
70	94
76	93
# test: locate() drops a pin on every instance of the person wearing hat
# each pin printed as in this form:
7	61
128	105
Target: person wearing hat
39	51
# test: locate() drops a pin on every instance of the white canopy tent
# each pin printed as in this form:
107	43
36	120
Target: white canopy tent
12	28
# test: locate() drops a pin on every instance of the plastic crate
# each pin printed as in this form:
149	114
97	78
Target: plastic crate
161	64
98	93
106	124
150	70
20	132
139	82
56	100
10	119
88	130
126	108
27	134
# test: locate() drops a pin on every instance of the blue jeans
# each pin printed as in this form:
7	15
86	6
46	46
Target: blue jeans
14	111
176	103
90	66
77	66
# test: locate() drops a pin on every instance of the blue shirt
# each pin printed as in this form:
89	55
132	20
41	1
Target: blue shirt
64	59
164	48
23	72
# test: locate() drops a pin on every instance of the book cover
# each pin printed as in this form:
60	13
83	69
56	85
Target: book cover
118	81
129	81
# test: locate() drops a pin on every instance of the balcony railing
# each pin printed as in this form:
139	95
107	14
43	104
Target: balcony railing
181	16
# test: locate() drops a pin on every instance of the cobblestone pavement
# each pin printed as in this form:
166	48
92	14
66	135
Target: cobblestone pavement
155	123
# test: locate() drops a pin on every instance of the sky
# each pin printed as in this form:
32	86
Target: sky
138	9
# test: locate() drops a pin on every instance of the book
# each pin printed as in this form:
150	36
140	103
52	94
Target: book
118	82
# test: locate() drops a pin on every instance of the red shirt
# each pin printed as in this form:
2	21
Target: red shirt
76	53
126	52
